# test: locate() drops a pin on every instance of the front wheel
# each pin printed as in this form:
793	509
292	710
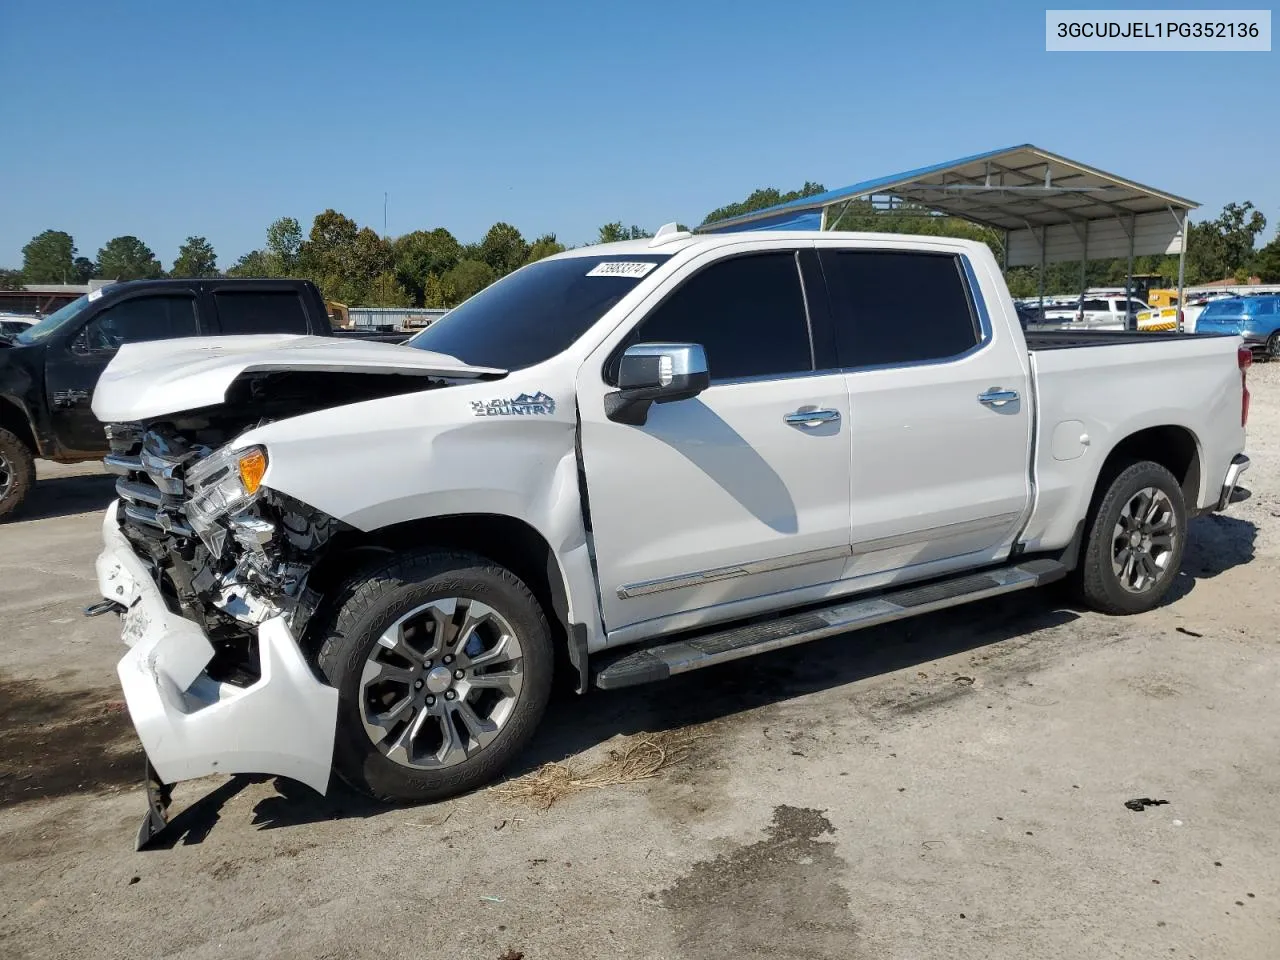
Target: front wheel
1135	541
443	664
1273	346
17	471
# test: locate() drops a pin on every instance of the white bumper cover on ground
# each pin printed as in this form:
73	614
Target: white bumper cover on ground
192	726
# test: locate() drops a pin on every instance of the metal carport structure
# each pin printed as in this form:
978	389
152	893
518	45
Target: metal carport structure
1050	209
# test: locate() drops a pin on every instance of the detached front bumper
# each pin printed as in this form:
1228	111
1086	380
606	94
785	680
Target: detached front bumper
191	725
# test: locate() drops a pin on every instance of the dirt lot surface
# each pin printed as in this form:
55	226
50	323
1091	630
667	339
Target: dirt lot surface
954	787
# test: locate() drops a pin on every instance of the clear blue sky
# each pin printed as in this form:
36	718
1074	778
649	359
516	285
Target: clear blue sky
168	119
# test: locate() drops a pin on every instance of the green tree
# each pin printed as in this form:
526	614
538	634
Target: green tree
759	199
49	257
83	270
613	232
545	246
438	293
128	258
253	264
385	291
284	243
419	255
10	279
1219	248
343	258
503	248
468	278
1266	262
195	259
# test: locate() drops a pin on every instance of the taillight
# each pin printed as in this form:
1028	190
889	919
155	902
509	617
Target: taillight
1244	359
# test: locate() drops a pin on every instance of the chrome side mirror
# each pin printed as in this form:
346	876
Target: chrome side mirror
656	373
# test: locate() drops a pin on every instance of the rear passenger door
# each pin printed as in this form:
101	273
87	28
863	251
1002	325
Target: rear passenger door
940	416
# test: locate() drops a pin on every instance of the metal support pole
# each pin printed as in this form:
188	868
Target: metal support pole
1006	253
1182	265
1128	277
1043	235
1084	264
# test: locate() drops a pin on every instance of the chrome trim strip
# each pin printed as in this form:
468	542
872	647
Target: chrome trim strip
121	465
151	518
134	491
944	532
631	590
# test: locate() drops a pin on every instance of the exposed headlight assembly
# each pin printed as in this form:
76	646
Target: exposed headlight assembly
220	485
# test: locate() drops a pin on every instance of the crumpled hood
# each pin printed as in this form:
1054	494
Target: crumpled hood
147	380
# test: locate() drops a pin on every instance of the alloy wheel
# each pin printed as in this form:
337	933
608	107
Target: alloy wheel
1143	540
441	683
7	477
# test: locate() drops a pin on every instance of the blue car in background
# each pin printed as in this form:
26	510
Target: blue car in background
1256	318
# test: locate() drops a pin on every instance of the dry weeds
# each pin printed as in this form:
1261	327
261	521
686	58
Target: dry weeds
635	758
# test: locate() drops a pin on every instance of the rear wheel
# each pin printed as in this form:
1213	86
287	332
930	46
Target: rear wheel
1273	346
1135	541
17	471
443	664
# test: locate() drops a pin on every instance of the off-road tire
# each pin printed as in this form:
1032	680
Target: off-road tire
22	472
1096	583
372	600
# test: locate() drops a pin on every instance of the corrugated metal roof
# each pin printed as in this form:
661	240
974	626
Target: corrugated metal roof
1012	188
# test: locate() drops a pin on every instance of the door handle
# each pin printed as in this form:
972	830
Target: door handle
997	398
811	418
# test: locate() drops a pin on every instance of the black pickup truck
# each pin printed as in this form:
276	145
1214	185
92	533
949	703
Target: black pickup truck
49	371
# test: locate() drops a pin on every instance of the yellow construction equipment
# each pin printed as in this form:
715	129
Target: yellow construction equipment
338	316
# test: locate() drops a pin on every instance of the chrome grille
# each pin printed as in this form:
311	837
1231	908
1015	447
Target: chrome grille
152	496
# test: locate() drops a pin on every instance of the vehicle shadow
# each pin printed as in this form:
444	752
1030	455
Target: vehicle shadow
1215	544
574	724
65	496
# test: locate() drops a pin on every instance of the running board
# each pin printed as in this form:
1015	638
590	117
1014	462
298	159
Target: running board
681	656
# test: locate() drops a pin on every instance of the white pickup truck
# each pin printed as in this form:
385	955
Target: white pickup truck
622	462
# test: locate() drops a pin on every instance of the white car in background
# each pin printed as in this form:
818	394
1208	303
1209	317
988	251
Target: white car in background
1096	313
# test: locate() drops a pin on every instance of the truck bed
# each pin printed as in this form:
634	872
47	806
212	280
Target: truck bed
1061	339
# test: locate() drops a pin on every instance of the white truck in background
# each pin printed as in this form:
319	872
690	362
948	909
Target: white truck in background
624	462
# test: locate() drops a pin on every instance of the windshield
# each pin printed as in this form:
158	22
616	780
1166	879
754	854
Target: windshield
53	322
536	312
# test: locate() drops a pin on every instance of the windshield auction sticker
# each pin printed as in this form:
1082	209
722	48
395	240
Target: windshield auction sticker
620	268
1157	31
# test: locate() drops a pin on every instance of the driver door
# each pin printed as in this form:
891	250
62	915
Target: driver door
742	492
72	368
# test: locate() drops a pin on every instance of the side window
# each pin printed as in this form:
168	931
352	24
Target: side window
748	313
139	319
1096	306
896	308
260	311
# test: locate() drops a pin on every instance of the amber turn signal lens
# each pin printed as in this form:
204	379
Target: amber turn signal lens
253	464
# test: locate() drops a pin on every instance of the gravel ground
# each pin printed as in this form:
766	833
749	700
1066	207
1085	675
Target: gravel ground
950	787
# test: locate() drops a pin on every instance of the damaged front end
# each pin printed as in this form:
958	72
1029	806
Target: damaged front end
210	568
231	552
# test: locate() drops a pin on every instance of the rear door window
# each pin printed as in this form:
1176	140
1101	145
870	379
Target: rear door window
896	307
260	311
1224	309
